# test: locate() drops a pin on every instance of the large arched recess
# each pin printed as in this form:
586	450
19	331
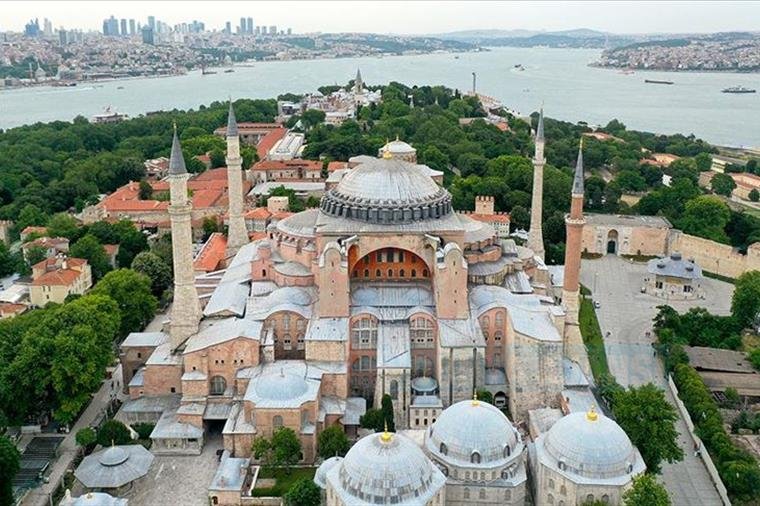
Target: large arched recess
389	263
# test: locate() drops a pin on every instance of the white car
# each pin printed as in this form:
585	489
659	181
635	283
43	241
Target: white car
597	305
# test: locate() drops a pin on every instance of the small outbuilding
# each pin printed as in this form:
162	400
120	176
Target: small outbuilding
114	468
673	278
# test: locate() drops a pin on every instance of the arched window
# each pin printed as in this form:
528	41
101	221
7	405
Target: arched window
366	273
563	490
499	318
485	321
263	273
390	273
414	273
218	385
475	458
482	493
394	390
443	449
401	273
364	333
507	451
365	363
424	273
561	465
497	336
466	493
421	332
378	273
276	421
550	499
590	498
286	342
606	499
551	484
355	365
400	256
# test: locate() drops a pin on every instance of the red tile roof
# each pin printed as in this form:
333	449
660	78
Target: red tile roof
60	277
268	141
255	236
212	254
33	230
11	308
490	218
259	213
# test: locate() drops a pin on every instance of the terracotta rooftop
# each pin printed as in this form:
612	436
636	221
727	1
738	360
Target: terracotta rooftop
259	213
34	230
11	308
490	218
255	236
47	242
111	249
269	140
211	254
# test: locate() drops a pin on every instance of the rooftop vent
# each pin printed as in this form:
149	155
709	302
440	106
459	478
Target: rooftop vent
675	256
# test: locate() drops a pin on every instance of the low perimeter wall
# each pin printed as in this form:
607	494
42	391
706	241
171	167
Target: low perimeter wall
715	257
711	469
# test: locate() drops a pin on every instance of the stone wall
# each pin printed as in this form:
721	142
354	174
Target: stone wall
715	257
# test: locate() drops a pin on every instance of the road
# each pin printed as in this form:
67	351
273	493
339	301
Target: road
67	451
627	315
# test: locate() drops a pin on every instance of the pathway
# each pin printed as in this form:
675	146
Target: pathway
627	314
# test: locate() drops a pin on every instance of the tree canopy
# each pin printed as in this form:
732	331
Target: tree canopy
132	293
646	491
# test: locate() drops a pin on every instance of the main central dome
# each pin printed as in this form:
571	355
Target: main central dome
387	191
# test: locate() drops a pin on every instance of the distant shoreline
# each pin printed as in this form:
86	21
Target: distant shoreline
676	71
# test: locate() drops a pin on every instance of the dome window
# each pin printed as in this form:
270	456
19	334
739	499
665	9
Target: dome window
475	458
630	468
561	465
507	451
443	449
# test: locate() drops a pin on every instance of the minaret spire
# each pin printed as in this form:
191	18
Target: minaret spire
237	234
186	310
358	83
535	235
574	224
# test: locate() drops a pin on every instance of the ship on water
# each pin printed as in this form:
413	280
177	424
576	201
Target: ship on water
738	89
657	81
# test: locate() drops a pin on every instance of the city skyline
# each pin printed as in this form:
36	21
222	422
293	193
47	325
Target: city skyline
384	17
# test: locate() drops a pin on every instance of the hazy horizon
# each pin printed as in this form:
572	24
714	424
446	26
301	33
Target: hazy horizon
396	17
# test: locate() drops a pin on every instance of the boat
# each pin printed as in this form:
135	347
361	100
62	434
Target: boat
738	89
657	81
519	67
229	71
120	87
109	116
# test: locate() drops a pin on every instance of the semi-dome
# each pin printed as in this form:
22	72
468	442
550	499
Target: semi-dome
398	147
320	477
473	432
387	191
386	468
281	386
591	445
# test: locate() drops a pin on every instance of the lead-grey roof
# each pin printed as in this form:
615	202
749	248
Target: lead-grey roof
288	298
231	473
163	355
493	433
391	295
320	477
578	176
393	346
573	374
627	220
518	282
232	126
114	466
144	339
463	333
92	499
221	331
593	451
169	427
529	316
674	266
285	384
395	471
327	329
176	159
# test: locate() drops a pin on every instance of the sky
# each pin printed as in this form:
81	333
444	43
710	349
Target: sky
402	17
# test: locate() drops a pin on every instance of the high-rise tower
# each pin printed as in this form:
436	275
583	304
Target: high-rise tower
237	234
535	235
574	224
186	310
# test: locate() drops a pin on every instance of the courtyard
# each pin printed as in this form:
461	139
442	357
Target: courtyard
626	314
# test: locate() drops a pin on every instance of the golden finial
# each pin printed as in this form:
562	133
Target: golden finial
387	155
475	401
592	415
386	436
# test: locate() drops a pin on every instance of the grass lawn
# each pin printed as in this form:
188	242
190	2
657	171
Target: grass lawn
592	337
284	480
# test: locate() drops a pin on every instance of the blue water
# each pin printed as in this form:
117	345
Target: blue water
560	78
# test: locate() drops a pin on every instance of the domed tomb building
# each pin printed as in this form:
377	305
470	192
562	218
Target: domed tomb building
582	458
383	289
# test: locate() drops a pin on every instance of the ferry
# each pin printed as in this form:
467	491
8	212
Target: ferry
109	116
229	71
657	81
738	89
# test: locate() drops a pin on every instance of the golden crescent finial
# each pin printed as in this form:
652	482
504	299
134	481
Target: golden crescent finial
386	436
592	415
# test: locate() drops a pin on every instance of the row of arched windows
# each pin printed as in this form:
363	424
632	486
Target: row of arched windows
391	273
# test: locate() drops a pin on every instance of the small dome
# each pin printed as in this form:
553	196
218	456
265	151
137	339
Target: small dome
387	466
114	456
398	147
320	477
281	386
468	427
424	385
590	445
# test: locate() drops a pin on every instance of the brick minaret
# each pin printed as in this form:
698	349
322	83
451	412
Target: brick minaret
237	234
186	310
535	235
574	224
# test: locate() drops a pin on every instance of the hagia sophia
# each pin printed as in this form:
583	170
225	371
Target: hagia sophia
385	289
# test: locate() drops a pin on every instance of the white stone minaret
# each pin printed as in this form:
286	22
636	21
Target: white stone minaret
186	310
358	83
535	235
237	234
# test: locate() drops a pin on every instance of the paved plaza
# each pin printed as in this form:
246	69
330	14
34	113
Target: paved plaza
183	478
627	314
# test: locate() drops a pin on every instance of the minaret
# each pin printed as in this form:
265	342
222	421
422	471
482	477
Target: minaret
358	83
574	224
186	310
535	235
237	234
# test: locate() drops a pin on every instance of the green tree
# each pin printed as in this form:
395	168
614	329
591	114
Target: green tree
89	248
386	406
304	492
646	491
332	442
707	217
35	255
754	358
286	448
312	117
485	396
62	225
113	432
132	293
723	184
754	195
649	420
745	304
9	263
217	158
86	436
155	268
31	215
146	190
262	450
520	218
210	225
9	466
373	419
